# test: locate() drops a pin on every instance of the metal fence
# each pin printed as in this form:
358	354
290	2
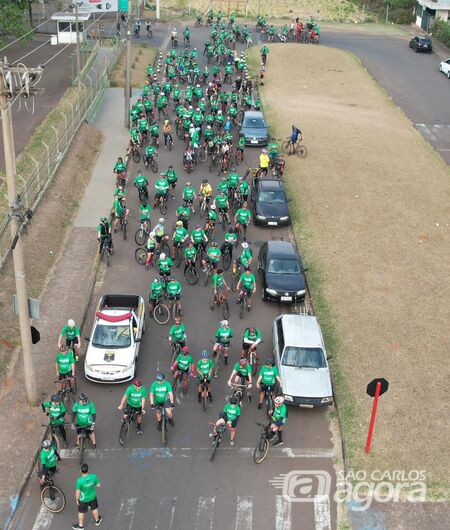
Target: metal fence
36	171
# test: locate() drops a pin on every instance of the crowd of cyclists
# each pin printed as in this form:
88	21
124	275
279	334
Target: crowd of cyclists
201	107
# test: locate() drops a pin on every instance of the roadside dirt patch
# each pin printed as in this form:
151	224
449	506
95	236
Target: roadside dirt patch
45	236
141	57
364	197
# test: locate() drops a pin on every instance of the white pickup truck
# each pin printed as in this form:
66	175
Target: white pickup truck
117	332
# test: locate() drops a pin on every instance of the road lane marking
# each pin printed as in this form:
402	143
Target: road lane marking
244	513
205	513
426	132
126	513
166	508
322	512
43	519
185	452
283	513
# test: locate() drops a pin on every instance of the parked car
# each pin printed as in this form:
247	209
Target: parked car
254	128
421	43
115	339
301	358
282	272
269	203
444	67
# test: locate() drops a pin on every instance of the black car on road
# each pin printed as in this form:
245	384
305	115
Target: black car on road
421	43
282	272
269	203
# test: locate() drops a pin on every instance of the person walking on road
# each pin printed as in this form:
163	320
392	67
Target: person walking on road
86	497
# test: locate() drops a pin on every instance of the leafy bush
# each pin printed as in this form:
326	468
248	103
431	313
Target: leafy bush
441	31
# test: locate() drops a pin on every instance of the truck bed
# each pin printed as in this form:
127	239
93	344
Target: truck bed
119	301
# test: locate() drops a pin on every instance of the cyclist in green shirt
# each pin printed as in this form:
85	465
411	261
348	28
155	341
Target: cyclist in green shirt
156	292
205	370
49	459
86	497
164	265
221	201
177	333
172	178
179	237
242	219
190	256
198	237
104	235
120	168
65	366
244	189
223	336
154	134
71	334
229	416
173	290
245	259
183	214
267	379
246	286
84	415
241	375
264	51
250	340
162	189
183	367
188	196
161	395
213	255
134	398
279	416
141	183
219	288
230	241
56	412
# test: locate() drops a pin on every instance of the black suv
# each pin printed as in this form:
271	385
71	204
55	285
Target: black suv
420	43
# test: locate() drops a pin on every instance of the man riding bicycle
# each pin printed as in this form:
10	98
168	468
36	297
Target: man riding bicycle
180	237
84	416
119	211
141	183
177	334
173	290
242	375
156	292
205	369
205	191
242	219
264	162
246	286
213	255
71	334
251	339
267	379
246	258
134	398
162	189
219	288
49	459
167	130
221	201
296	132
190	256
199	239
229	416
188	196
56	411
164	265
161	395
65	366
184	364
223	336
279	416
230	241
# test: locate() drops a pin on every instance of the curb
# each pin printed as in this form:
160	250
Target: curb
29	471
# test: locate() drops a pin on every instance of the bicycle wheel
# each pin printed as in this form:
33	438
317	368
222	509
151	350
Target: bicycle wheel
286	146
164	432
234	282
123	433
226	260
164	247
202	209
175	384
68	399
224	222
269	404
124	230
241	309
192	275
217	361
261	450
207	276
253	364
176	310
163	207
82	444
202	155
301	151
170	144
136	156
53	499
140	254
177	259
216	442
225	310
204	401
180	133
153	165
140	237
161	314
107	255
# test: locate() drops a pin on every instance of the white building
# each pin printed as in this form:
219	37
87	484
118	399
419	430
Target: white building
427	11
66	31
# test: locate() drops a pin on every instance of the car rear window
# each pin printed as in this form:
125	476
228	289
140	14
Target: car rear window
254	122
303	357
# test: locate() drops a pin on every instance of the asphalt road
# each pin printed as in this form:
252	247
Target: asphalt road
147	486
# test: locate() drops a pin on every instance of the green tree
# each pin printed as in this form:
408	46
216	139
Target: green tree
13	22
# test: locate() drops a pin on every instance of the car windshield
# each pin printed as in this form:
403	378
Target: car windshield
303	357
283	266
254	123
271	197
111	336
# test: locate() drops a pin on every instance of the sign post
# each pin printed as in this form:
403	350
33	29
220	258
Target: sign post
375	389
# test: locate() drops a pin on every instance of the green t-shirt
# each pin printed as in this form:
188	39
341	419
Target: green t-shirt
135	396
172	176
180	233
165	264
230	237
173	288
190	253
198	235
242	370
204	366
178	332
232	411
246	257
233	179
141	181
223	335
65	362
156	290
162	186
188	193
118	208
70	333
84	413
49	458
184	361
212	215
221	201
217	280
268	374
214	254
145	212
244	187
248	281
56	412
160	391
86	486
250	336
280	413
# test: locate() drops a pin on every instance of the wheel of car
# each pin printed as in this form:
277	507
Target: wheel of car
143	328
448	74
263	295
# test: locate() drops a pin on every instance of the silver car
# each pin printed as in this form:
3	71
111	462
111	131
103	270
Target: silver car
300	355
254	128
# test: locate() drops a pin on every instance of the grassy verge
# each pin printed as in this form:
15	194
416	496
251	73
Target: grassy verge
141	56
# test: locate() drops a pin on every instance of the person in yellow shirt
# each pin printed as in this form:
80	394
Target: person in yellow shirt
167	130
205	191
264	162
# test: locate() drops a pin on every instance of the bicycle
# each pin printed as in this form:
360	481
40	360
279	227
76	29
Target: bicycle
164	421
142	233
253	359
239	392
223	219
53	433
142	193
176	309
299	149
203	205
123	225
162	203
203	381
129	418
105	252
85	432
191	273
178	255
262	448
242	302
176	350
161	312
150	161
67	391
136	153
209	272
220	300
217	438
239	156
178	377
236	272
52	497
252	172
268	398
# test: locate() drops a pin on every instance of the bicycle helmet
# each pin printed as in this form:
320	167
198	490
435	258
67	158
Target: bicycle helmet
166	122
264	150
56	398
269	360
179	223
83	396
103	219
214	243
46	444
137	382
230	230
208	127
158	280
224	323
213	207
279	400
161	220
205	181
233	400
198	227
188	184
71	322
244	245
185	349
172	279
160	376
162	256
243	362
205	354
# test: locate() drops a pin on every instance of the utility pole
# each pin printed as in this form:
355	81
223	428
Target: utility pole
78	46
158	13
128	70
7	92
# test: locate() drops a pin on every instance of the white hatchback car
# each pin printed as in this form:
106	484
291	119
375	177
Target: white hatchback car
444	67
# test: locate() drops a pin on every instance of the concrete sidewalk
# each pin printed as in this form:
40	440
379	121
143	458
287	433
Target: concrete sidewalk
67	295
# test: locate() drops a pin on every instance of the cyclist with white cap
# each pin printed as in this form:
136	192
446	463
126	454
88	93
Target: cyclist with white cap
71	334
49	459
223	336
279	416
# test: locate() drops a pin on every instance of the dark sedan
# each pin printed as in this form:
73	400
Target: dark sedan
420	43
254	128
269	203
282	272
